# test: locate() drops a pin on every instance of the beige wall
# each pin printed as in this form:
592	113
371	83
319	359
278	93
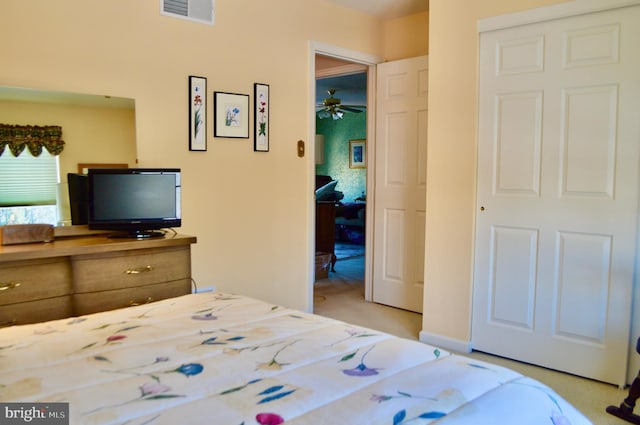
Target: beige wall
451	164
250	211
407	37
91	135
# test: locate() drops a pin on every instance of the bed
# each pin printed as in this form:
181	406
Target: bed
218	358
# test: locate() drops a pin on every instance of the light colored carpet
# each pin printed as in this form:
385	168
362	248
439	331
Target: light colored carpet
341	296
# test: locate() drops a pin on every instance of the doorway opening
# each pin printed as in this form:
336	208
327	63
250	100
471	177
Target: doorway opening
340	170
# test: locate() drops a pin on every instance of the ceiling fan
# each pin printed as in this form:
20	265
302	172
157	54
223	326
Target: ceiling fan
332	107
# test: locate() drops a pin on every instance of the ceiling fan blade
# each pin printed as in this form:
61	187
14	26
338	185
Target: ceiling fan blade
350	109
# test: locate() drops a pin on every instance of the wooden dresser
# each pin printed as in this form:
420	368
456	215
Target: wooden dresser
81	275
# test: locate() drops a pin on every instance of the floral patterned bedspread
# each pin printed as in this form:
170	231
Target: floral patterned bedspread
215	358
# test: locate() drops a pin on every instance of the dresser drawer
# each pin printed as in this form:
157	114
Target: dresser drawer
92	302
22	281
129	269
35	311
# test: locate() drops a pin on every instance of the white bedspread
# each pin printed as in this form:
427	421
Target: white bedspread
216	358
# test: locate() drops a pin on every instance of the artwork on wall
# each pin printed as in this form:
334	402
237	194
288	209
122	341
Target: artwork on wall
261	114
197	113
231	115
357	154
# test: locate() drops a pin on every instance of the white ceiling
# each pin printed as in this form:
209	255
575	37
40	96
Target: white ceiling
387	9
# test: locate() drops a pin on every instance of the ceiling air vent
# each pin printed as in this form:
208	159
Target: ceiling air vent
193	10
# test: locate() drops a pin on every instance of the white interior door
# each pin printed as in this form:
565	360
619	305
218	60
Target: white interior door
558	192
400	183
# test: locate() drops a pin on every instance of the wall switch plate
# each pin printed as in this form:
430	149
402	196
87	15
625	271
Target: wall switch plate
300	148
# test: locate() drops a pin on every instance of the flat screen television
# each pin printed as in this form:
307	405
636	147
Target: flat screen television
134	202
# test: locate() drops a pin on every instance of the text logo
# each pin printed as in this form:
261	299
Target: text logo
34	413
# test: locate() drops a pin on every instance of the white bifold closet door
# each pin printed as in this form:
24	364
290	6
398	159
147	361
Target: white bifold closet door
557	197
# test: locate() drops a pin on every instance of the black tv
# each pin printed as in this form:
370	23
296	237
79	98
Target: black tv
134	202
78	197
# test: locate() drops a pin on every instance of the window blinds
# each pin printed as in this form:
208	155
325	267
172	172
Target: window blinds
28	180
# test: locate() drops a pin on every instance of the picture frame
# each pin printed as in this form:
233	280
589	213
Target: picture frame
357	153
231	115
261	117
197	113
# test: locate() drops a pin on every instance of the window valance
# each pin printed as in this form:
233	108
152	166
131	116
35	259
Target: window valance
32	137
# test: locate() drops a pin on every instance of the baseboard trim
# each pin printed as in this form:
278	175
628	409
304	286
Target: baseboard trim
447	343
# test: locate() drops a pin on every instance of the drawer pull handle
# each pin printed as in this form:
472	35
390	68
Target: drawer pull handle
134	303
10	285
8	323
139	270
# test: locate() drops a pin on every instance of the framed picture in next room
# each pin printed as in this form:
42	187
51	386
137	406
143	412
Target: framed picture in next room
357	154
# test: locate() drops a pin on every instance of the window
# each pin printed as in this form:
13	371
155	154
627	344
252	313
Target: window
28	188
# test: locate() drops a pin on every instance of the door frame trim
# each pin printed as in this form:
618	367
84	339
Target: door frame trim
316	47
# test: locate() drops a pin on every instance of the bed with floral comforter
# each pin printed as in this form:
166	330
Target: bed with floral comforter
215	358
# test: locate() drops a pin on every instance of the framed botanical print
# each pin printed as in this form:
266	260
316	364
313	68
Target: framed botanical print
231	115
261	114
197	113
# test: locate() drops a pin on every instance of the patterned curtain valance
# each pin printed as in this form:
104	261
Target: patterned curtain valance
33	137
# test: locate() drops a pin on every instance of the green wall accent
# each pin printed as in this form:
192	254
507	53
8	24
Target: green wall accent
337	133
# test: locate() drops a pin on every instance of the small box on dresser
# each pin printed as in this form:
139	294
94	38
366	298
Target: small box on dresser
14	234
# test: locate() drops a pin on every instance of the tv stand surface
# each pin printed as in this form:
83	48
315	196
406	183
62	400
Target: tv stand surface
142	234
85	274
